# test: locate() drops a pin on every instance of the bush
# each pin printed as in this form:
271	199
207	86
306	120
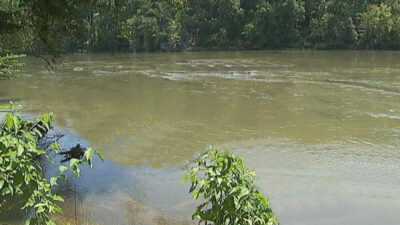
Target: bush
227	187
9	65
21	172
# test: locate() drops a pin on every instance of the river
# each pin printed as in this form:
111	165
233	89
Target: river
321	129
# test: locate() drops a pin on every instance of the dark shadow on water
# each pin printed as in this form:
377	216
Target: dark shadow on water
111	194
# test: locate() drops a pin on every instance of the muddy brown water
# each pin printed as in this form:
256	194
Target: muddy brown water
321	129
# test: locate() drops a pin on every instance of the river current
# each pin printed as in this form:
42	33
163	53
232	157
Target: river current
321	129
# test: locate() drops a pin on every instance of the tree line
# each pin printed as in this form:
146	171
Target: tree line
65	26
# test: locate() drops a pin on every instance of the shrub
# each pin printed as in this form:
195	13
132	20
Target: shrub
21	173
228	190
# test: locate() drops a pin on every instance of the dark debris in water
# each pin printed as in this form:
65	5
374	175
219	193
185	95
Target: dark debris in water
76	152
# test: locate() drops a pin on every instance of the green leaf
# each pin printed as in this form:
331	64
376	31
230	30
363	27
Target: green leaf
100	155
58	198
5	106
39	205
73	162
196	194
77	171
39	210
88	156
62	169
1	184
243	191
20	149
29	136
28	222
185	178
262	199
10	121
53	181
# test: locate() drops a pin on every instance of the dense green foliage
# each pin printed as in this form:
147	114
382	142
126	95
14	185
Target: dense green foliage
228	191
54	27
9	65
39	26
21	172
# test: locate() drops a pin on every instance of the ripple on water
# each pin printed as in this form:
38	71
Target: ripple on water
313	176
384	116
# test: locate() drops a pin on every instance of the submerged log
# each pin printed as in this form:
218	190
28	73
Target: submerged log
76	152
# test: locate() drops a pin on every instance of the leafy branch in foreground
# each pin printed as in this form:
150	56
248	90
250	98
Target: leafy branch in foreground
9	65
21	172
228	190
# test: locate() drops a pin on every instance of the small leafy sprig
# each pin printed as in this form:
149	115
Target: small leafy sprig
228	191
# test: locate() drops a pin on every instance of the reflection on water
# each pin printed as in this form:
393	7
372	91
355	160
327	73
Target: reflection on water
322	129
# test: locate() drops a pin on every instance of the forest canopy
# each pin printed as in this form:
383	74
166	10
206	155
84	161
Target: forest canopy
67	26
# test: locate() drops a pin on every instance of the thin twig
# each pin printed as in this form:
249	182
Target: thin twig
76	218
33	126
48	64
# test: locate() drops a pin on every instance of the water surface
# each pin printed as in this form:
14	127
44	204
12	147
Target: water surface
322	130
